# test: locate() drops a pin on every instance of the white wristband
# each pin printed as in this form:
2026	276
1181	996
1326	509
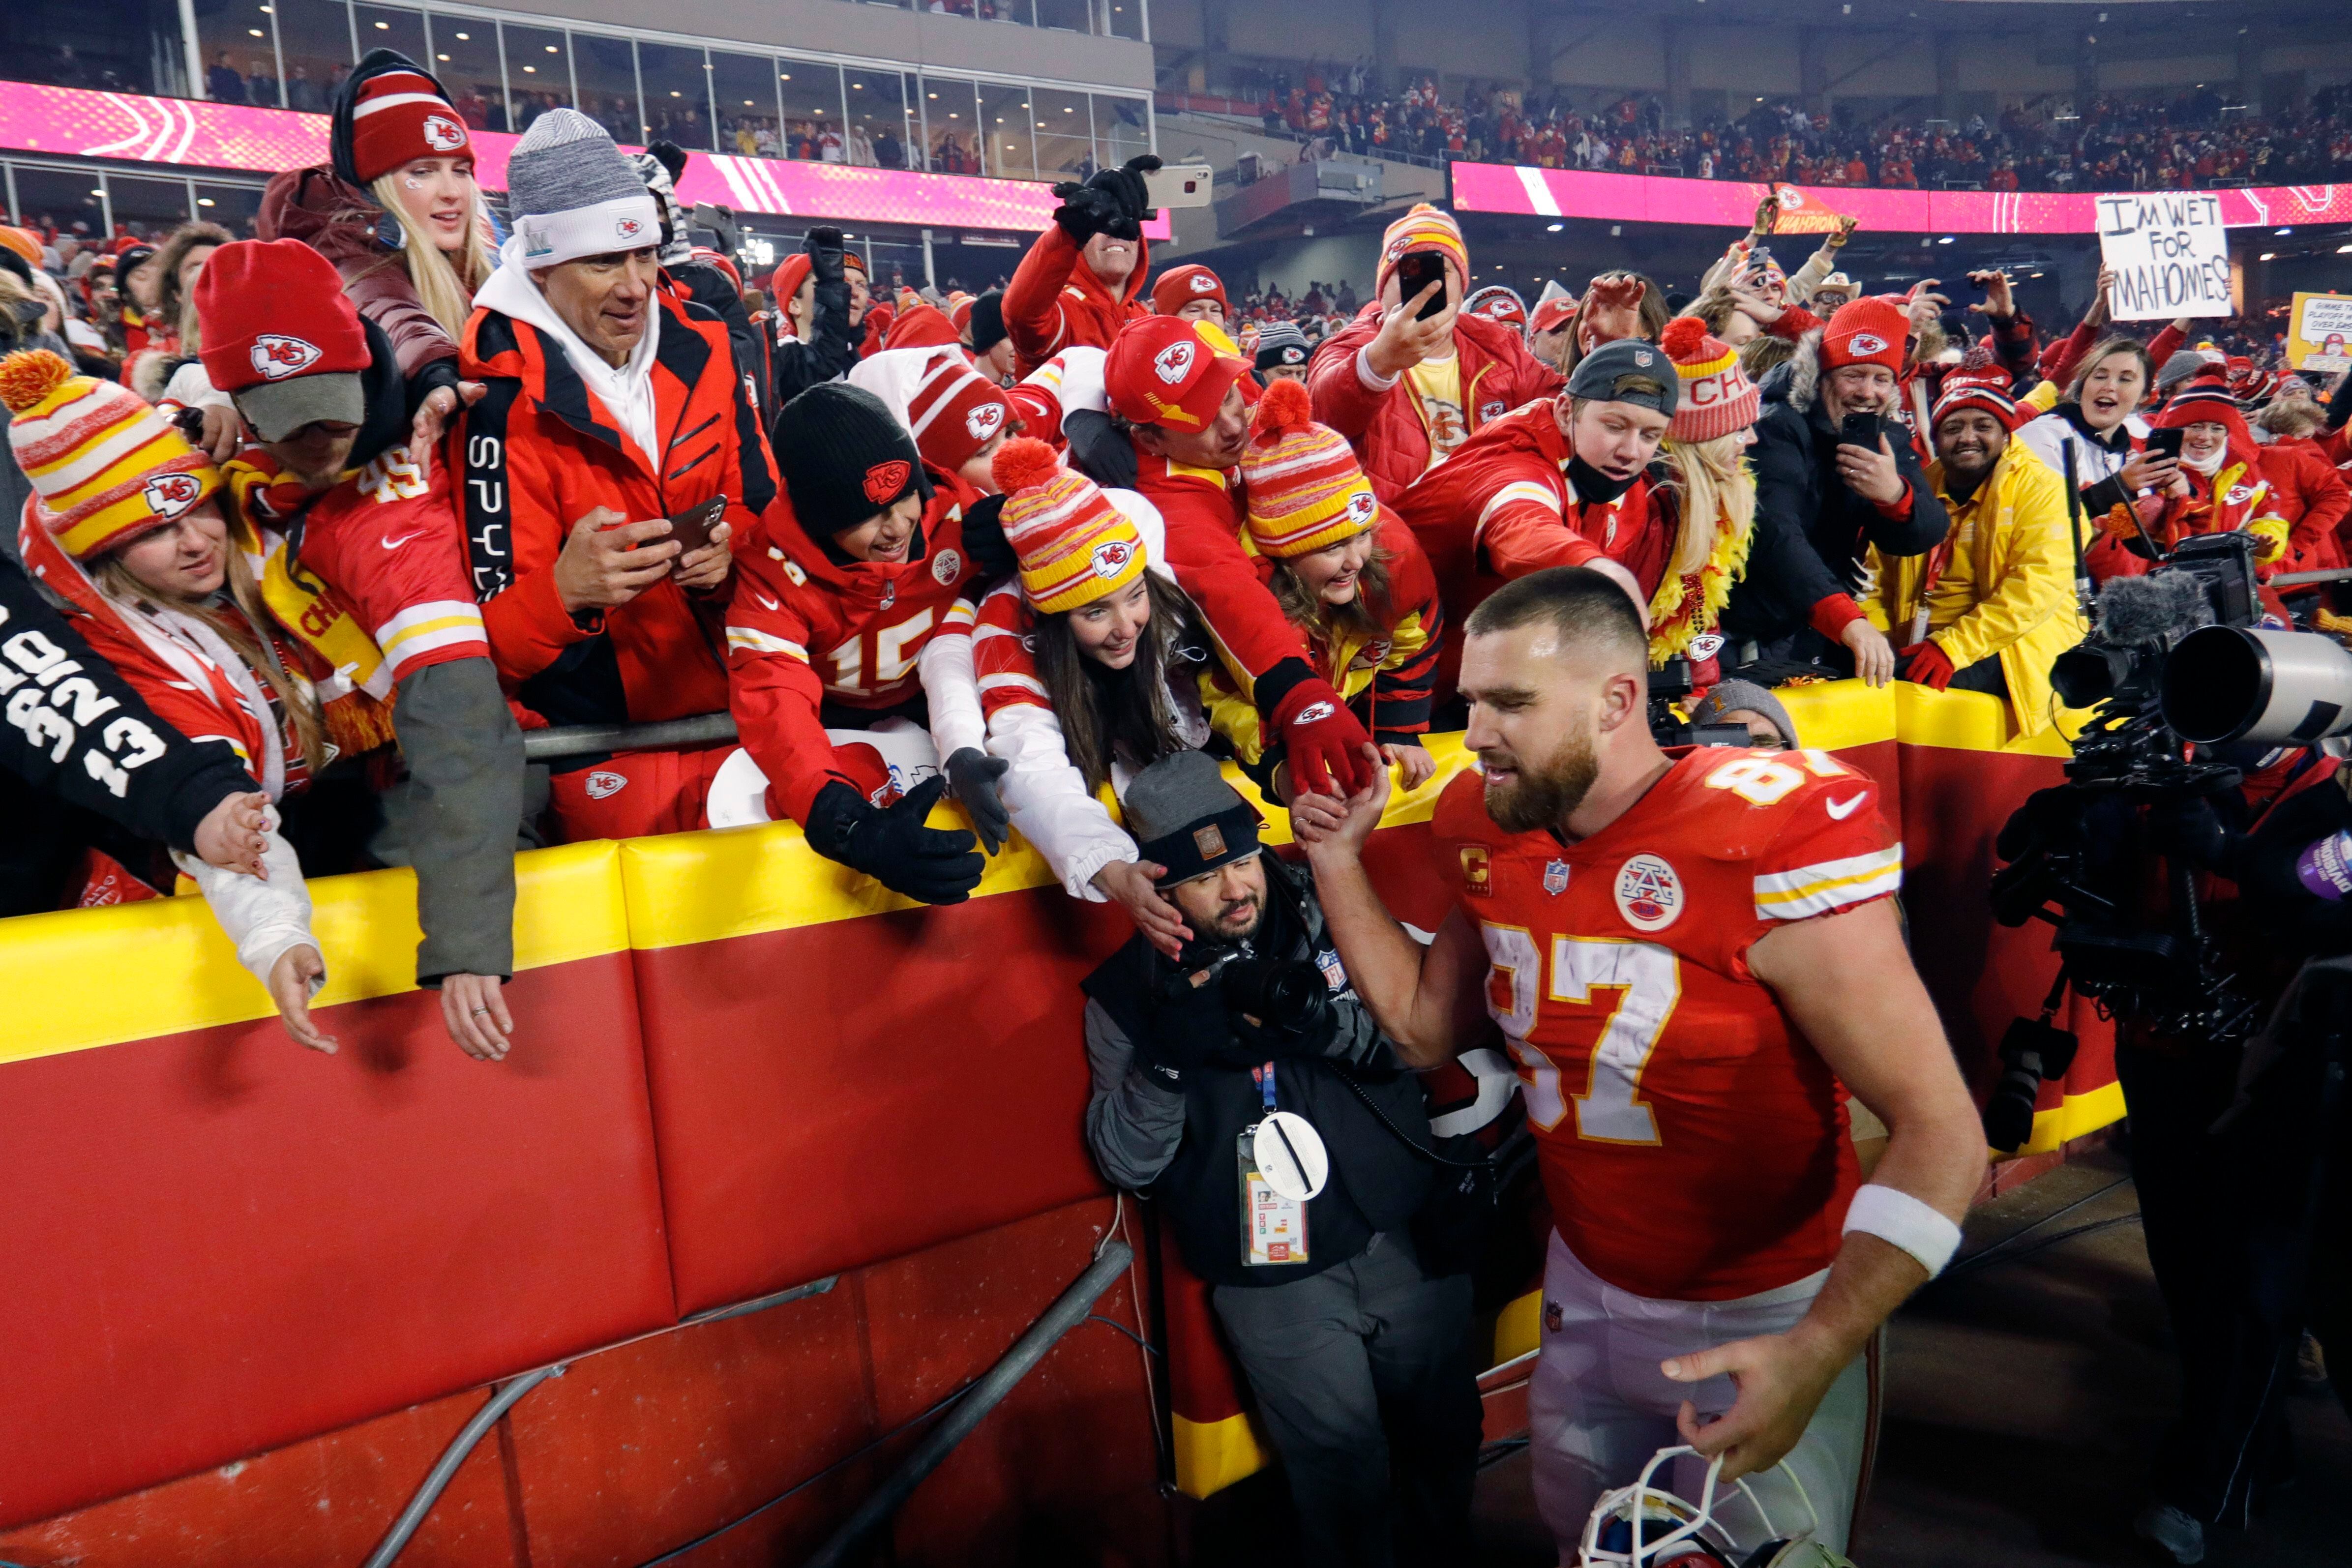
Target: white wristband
1897	1219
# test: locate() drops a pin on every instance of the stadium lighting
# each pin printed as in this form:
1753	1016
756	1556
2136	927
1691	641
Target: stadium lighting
2287	231
1945	240
2343	250
1553	228
2269	255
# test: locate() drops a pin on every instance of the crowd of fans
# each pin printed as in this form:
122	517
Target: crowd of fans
2193	139
322	521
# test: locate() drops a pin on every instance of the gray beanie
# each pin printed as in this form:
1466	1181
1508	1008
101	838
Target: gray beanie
572	193
1185	815
1281	344
1733	695
2184	364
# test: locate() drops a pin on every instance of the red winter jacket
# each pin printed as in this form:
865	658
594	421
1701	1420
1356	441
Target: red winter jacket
804	629
1382	420
2307	490
1056	301
539	452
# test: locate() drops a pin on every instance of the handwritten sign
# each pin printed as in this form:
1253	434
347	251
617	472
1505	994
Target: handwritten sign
2169	253
2320	337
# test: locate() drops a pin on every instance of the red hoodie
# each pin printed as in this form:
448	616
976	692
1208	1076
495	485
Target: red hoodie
1384	421
1056	301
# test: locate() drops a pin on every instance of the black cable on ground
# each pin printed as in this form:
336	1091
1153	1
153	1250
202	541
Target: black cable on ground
2000	1251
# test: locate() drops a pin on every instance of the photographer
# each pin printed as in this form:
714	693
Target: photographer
1358	1357
1825	488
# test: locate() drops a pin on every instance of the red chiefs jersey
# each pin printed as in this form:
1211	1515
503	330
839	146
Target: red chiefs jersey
803	629
1692	1144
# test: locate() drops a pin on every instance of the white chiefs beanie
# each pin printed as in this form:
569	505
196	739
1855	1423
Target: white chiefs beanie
572	193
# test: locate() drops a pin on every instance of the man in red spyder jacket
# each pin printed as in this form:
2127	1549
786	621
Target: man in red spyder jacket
612	407
1181	392
853	575
1563	482
1407	392
1083	278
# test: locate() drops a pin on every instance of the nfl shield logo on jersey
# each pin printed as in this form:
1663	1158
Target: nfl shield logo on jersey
1554	877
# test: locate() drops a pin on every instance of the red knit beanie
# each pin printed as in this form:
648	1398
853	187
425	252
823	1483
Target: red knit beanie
398	116
1871	331
1179	286
953	411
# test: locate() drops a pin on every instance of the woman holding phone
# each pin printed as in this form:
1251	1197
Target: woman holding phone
2216	486
2098	420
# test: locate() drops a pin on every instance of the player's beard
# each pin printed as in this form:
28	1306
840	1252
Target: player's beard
1542	796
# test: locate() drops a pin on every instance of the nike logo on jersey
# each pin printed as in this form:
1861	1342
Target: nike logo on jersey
764	598
1840	810
396	544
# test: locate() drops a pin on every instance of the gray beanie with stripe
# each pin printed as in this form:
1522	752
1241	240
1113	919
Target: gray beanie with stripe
572	193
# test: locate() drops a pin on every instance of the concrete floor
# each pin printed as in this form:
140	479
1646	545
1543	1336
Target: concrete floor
2023	1401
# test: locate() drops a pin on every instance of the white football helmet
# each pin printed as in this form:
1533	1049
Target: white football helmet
1643	1526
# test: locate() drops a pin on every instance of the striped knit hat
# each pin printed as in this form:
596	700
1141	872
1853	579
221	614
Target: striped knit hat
1424	228
1717	397
1074	546
954	410
1977	382
108	467
388	113
1305	491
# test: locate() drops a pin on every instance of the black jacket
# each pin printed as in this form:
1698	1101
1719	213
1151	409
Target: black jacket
794	366
1810	530
76	735
1180	1147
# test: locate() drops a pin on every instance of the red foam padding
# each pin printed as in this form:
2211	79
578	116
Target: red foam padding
837	1094
223	1242
1981	974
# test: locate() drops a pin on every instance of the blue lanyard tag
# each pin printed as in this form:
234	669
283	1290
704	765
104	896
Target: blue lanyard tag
1265	1076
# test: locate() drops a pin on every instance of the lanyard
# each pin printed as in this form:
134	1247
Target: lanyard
1264	1078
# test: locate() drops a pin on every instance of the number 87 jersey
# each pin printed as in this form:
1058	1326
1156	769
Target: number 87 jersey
1693	1144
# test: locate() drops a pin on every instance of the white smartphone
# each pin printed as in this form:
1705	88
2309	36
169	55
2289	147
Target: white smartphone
1178	186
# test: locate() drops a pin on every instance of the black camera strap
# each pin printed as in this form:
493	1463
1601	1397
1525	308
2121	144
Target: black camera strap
1348	1077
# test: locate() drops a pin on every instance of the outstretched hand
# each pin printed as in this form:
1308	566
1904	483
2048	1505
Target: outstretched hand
290	987
1334	827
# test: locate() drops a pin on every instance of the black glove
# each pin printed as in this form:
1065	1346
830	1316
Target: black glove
1085	212
2189	832
983	541
825	247
670	156
1189	1024
892	846
973	775
1099	449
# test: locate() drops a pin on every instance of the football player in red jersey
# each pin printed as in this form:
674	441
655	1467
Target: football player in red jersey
1693	962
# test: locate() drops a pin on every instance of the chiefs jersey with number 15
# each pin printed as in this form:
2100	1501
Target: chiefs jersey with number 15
1692	1144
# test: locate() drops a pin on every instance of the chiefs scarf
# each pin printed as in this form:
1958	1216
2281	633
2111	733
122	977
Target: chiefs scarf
346	669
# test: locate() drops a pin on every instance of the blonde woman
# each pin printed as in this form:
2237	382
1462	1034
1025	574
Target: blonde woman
398	213
1712	495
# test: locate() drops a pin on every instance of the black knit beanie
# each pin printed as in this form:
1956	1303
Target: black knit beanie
987	321
845	458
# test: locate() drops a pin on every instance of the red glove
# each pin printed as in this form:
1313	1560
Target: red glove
1927	667
1321	740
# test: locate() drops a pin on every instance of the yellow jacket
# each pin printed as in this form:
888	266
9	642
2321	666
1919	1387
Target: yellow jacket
2008	587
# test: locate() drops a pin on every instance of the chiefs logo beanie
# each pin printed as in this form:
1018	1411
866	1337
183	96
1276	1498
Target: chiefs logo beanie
1074	544
390	112
106	466
1305	491
845	458
572	193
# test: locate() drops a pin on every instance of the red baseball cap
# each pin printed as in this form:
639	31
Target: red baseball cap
1164	369
280	337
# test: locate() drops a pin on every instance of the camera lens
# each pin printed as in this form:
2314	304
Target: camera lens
1286	996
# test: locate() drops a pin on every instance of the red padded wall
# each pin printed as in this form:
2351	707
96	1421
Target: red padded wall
233	1242
832	1096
